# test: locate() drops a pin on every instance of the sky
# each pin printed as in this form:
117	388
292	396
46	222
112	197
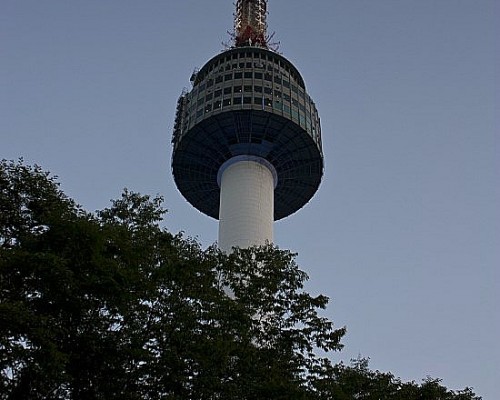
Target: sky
403	234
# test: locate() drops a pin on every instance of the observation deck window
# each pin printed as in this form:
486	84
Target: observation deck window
247	100
238	75
248	75
237	100
258	100
258	75
228	77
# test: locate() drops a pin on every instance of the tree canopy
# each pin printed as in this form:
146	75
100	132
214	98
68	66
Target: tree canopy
110	305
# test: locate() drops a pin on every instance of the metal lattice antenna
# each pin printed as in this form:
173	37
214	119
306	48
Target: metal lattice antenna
250	23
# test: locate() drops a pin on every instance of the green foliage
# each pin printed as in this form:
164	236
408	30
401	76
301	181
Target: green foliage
112	306
357	381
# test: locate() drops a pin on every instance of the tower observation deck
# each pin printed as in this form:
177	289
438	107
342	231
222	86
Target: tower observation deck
247	137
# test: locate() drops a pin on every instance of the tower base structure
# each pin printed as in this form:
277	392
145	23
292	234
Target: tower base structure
246	211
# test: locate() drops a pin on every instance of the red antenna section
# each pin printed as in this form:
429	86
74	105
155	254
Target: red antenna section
250	26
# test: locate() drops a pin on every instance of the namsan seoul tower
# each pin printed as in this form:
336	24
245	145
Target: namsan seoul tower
247	137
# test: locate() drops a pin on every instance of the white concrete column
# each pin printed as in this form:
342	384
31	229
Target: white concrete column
246	212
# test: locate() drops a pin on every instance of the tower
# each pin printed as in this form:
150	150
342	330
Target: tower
247	137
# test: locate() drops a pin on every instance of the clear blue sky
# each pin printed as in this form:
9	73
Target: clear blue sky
403	234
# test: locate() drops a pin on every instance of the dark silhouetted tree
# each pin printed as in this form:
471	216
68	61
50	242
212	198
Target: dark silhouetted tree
110	305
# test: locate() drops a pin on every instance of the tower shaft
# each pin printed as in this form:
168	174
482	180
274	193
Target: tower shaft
246	203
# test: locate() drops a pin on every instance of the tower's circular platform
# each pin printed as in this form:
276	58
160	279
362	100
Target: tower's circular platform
247	101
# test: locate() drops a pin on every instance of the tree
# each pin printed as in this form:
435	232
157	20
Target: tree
357	381
110	305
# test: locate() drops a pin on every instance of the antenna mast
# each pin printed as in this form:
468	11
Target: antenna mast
250	23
